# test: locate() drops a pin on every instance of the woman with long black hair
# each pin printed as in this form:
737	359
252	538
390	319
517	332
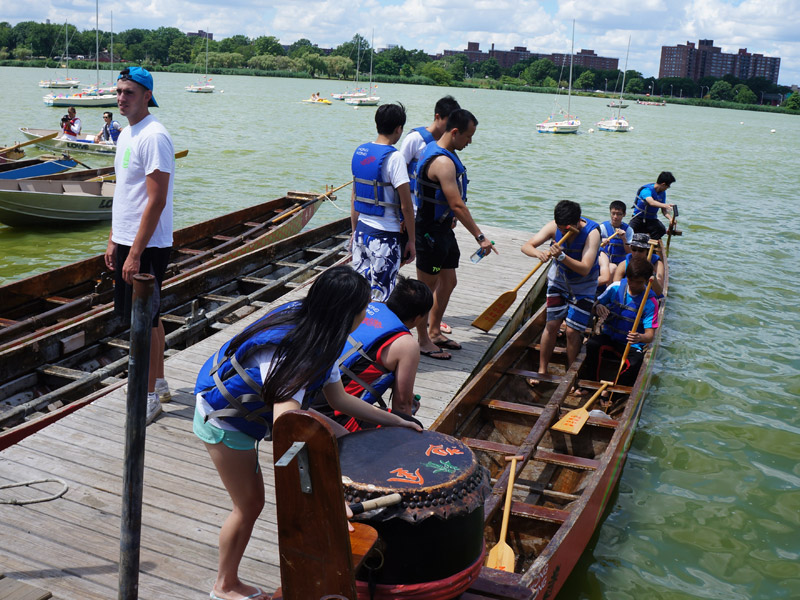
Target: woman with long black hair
262	373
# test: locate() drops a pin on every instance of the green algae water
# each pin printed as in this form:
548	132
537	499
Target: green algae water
708	504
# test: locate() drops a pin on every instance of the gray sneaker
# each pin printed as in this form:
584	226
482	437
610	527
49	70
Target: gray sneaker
162	389
153	407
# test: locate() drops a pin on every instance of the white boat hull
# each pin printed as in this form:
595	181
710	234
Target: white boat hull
49	203
200	89
84	143
569	126
616	125
104	100
60	84
363	101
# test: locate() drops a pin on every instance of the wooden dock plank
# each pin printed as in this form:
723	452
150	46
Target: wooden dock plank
70	546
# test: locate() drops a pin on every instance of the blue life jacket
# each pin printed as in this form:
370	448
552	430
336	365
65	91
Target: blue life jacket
640	205
432	206
111	131
616	247
360	352
622	314
427	137
371	196
574	249
235	392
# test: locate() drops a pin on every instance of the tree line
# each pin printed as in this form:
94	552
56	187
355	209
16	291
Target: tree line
171	48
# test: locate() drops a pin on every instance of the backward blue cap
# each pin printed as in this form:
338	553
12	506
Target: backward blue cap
141	76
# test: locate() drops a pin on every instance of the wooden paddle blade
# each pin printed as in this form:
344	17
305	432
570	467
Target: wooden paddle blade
491	315
501	557
573	421
182	154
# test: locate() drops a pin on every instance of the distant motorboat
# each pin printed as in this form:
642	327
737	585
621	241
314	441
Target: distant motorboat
613	104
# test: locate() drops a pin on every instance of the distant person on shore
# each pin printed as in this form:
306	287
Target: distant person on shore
649	199
381	211
140	240
70	125
441	197
618	306
571	280
416	141
110	131
640	246
613	248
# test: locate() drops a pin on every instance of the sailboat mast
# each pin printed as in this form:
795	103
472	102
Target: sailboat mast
66	38
206	75
571	56
619	110
371	54
97	41
112	48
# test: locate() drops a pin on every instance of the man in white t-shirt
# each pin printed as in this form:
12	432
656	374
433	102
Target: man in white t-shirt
382	214
140	240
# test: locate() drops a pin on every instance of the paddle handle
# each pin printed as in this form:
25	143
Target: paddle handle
596	395
566	237
636	322
359	507
507	505
49	136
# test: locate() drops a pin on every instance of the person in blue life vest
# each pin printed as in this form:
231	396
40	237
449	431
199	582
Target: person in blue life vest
571	280
613	248
381	212
262	373
618	307
640	246
649	199
382	355
110	131
441	197
415	142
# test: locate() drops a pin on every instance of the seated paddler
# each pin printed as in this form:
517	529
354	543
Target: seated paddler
382	355
262	373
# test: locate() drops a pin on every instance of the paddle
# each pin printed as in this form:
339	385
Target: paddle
501	557
671	228
49	136
573	421
490	316
635	322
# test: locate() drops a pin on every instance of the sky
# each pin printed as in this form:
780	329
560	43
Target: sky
769	27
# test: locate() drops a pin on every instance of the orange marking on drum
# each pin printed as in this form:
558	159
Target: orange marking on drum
407	477
440	450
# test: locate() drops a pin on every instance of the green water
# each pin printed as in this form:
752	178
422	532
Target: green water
709	501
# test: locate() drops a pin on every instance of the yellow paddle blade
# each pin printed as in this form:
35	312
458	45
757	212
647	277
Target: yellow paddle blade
496	309
574	420
501	557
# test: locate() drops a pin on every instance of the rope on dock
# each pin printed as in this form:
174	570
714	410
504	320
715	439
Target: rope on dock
35	500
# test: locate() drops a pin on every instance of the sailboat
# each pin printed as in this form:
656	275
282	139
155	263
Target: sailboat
565	122
369	99
619	123
68	82
111	88
205	87
90	98
358	93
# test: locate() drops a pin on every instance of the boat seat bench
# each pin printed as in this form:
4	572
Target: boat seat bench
556	458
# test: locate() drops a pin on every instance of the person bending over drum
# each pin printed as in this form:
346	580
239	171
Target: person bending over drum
262	373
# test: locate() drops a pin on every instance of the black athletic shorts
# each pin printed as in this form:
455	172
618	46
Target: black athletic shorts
652	227
436	250
153	261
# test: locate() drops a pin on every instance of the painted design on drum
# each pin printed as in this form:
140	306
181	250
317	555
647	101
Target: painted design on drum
440	450
442	467
404	476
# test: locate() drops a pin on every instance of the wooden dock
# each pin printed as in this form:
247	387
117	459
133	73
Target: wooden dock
69	546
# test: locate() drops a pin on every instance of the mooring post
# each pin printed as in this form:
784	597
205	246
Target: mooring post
135	426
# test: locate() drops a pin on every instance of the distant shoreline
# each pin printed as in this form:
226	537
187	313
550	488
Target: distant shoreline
490	84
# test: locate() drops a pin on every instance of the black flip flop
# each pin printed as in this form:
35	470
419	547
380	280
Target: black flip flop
435	354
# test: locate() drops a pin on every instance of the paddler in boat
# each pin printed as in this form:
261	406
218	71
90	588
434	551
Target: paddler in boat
615	239
618	307
274	354
110	131
649	199
415	143
70	125
640	246
385	355
571	280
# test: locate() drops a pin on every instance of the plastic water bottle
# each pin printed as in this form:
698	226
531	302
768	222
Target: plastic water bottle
480	253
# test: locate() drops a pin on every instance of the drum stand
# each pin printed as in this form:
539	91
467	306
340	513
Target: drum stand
319	558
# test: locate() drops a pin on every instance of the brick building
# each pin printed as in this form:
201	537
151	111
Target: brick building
707	60
508	58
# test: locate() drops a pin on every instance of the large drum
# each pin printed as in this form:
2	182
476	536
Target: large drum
436	531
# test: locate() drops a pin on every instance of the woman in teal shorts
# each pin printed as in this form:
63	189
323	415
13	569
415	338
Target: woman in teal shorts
274	352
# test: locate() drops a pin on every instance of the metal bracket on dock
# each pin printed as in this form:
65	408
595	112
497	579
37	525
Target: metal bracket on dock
299	450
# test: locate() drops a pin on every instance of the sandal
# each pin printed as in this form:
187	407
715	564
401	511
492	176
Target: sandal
436	354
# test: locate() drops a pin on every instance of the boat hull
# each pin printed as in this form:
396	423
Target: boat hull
35	168
200	89
82	145
570	126
78	100
47	203
615	125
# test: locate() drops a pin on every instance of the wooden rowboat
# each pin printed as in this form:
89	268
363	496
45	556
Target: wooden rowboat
47	317
84	144
36	167
564	482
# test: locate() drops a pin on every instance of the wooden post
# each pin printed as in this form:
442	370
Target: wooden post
314	544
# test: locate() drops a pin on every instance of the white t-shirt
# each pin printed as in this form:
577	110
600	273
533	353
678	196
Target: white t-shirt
141	149
263	360
395	171
412	147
